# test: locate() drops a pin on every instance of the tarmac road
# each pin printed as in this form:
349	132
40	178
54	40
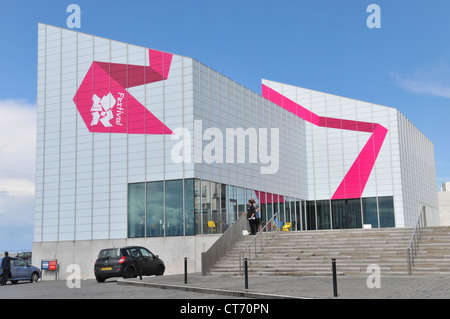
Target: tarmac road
91	289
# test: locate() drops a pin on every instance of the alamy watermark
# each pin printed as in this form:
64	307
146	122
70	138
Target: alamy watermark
236	145
74	19
74	278
373	20
374	279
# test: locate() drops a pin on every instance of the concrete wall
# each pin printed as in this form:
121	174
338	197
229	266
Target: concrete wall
172	250
444	207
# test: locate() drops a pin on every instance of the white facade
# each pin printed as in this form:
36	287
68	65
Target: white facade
109	116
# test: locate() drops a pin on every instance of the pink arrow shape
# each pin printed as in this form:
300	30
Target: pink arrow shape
118	111
354	182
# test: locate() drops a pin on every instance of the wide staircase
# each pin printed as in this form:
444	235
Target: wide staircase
311	253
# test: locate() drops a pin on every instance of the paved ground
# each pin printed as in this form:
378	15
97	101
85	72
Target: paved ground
231	287
354	287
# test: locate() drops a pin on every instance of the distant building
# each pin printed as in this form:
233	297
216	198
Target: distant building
444	204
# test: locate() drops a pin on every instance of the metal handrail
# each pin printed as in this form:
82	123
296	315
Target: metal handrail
413	247
265	229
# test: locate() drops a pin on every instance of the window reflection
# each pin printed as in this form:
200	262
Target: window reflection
193	206
155	209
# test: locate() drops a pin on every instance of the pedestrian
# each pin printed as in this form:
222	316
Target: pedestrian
257	214
6	268
251	215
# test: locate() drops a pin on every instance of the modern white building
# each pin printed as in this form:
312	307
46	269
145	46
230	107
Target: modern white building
137	146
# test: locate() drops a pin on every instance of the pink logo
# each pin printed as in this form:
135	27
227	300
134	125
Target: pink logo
106	106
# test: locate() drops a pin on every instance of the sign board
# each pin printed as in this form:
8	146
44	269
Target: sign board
48	264
52	265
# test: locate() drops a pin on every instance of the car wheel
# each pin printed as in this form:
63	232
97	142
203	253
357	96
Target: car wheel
160	271
100	279
14	281
34	277
129	273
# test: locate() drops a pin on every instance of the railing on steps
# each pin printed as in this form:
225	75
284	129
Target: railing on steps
413	247
223	244
270	227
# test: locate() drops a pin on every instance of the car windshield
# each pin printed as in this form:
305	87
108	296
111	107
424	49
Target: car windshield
109	253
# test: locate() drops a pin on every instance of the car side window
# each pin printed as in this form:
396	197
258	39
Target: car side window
21	263
134	252
146	253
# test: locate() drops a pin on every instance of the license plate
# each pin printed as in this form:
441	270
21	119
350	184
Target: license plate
106	268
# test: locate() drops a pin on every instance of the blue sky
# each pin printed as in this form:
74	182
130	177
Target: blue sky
323	45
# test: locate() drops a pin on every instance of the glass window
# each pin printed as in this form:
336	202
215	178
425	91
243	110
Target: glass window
155	209
206	207
232	207
310	215
275	207
298	212
323	214
282	210
346	213
198	206
174	208
242	204
215	223
269	206
386	207
136	210
303	215
189	207
370	215
224	206
263	204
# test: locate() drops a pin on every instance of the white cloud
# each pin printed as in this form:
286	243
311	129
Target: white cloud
434	80
17	162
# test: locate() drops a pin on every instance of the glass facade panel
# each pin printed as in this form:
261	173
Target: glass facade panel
215	224
346	213
269	206
155	209
197	206
136	210
223	206
310	215
323	214
242	204
298	212
232	206
370	215
189	205
193	206
174	208
206	208
386	207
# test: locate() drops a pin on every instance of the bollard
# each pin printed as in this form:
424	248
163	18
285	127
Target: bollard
185	270
333	266
246	272
140	268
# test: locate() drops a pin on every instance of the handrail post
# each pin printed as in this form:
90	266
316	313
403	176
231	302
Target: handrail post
413	247
249	246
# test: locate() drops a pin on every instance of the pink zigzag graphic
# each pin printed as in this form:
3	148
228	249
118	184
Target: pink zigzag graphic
354	182
107	107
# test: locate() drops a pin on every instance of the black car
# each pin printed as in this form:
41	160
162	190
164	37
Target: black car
126	262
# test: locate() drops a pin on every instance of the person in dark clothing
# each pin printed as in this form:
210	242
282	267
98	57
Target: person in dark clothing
251	215
6	268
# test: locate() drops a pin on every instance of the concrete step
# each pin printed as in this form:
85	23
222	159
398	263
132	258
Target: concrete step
310	252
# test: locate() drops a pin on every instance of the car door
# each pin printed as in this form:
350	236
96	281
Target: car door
13	269
22	269
150	262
